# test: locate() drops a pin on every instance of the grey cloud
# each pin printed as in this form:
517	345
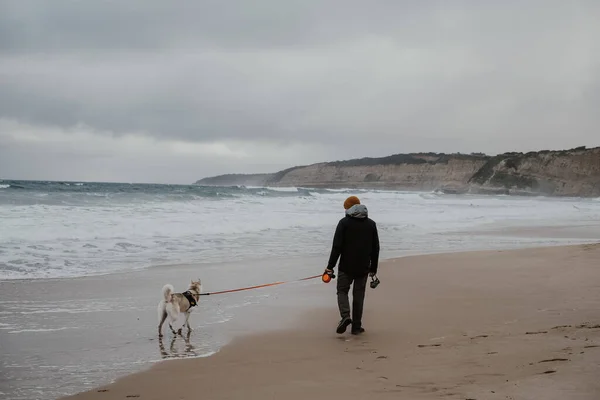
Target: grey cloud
152	24
33	152
409	76
63	25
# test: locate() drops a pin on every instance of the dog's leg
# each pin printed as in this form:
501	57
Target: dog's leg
161	347
162	321
172	348
189	348
181	329
173	315
187	321
171	320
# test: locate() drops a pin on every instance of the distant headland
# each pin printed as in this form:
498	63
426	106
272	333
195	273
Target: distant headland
574	172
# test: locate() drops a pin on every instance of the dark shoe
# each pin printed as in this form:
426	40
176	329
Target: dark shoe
357	330
343	325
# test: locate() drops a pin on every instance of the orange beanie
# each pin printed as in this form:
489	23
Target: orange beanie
351	201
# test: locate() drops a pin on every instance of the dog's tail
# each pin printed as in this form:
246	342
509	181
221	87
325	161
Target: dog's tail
167	292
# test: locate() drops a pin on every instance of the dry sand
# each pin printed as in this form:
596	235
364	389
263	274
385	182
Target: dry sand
484	325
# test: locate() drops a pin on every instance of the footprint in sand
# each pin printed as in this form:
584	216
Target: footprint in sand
536	332
590	346
429	345
424	387
587	326
479	337
553	360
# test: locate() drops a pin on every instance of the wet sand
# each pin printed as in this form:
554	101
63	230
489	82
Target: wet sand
62	336
521	324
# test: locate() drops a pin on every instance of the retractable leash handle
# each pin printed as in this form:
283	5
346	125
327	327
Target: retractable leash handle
327	276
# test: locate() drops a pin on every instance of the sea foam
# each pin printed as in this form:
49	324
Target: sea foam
79	230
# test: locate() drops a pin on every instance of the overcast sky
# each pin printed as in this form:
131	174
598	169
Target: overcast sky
172	91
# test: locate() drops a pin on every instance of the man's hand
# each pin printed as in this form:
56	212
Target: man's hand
328	271
372	274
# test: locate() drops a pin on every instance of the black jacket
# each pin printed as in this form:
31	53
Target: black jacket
355	243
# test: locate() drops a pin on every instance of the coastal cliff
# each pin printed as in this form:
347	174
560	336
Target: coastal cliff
574	172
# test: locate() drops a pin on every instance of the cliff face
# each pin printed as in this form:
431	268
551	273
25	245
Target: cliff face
422	172
562	173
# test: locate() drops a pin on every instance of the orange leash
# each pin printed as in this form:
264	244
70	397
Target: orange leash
259	286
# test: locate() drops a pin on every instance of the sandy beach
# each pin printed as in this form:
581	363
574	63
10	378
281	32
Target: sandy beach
82	266
519	324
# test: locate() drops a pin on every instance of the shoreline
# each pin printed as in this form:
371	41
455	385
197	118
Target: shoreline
541	233
105	328
423	274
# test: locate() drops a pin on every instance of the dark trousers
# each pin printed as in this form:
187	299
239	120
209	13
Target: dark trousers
358	296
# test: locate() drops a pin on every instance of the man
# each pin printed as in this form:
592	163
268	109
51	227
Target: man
356	244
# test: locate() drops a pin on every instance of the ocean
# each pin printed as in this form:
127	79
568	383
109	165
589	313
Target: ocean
82	264
72	229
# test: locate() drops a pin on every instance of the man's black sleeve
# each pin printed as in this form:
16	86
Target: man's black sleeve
374	250
336	248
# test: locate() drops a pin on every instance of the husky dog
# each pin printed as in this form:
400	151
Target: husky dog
173	304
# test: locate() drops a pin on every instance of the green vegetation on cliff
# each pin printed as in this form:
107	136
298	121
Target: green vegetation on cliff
413	158
506	179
